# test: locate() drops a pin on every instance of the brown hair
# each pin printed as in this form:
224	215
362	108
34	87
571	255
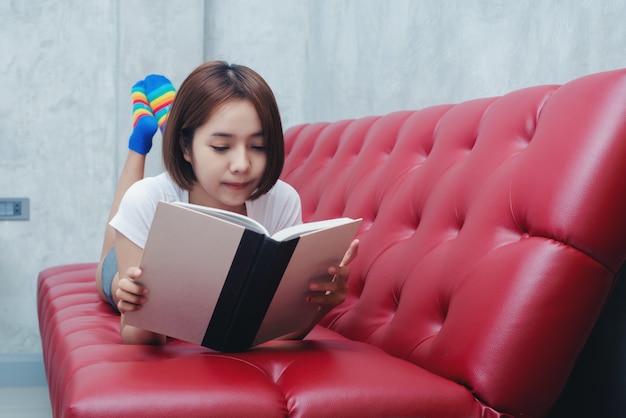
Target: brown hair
207	87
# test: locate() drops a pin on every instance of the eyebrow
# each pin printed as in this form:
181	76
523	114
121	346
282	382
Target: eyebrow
228	135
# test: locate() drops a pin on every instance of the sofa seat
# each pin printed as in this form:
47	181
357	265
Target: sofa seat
92	374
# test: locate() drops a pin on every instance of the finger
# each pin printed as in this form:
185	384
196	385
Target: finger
351	253
128	285
342	271
328	293
336	286
124	307
130	291
133	298
133	273
327	299
339	273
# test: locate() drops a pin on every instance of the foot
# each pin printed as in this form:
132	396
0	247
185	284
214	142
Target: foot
144	122
160	93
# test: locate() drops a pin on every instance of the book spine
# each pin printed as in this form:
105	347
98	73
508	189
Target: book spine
256	297
234	285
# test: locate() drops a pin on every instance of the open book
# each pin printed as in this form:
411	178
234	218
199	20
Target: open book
217	278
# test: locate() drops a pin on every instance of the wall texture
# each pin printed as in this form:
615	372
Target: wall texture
68	65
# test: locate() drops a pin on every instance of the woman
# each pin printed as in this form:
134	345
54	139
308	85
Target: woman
222	147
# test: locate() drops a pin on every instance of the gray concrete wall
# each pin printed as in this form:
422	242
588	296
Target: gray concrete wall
67	67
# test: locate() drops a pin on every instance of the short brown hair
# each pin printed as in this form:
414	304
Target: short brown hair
207	87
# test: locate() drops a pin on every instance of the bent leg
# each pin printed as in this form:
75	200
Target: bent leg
144	127
132	172
152	99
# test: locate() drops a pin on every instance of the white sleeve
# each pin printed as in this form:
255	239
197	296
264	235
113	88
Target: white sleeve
288	211
136	211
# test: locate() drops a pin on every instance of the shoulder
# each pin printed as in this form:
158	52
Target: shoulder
153	189
278	208
281	197
137	208
283	191
156	188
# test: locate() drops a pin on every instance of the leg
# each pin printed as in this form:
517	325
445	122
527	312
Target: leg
139	144
132	171
152	99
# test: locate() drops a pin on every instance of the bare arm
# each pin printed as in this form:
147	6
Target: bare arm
129	294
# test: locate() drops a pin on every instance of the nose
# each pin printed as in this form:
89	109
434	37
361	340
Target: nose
240	160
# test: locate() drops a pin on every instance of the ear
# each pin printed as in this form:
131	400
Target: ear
187	154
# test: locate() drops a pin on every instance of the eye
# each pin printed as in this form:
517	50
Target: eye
260	148
219	149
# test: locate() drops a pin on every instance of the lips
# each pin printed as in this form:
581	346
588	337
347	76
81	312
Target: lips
237	185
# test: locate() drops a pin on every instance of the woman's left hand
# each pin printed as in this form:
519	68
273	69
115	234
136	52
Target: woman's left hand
332	293
329	294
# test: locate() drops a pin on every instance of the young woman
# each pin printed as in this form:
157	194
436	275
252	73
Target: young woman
222	147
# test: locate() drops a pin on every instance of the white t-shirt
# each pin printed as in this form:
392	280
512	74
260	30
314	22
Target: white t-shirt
275	210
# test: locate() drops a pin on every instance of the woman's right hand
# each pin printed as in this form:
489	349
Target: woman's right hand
131	295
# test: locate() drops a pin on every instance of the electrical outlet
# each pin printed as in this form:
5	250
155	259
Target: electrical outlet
14	208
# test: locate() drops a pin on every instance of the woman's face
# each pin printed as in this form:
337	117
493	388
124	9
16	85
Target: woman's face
228	157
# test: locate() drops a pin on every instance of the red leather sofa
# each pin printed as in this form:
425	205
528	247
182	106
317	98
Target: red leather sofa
493	233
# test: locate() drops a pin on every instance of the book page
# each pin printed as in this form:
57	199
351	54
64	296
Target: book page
301	229
228	216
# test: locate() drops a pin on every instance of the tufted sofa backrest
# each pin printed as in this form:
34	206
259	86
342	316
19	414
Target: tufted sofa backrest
493	230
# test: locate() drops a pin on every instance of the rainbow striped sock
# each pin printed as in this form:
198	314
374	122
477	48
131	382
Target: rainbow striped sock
160	93
144	122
